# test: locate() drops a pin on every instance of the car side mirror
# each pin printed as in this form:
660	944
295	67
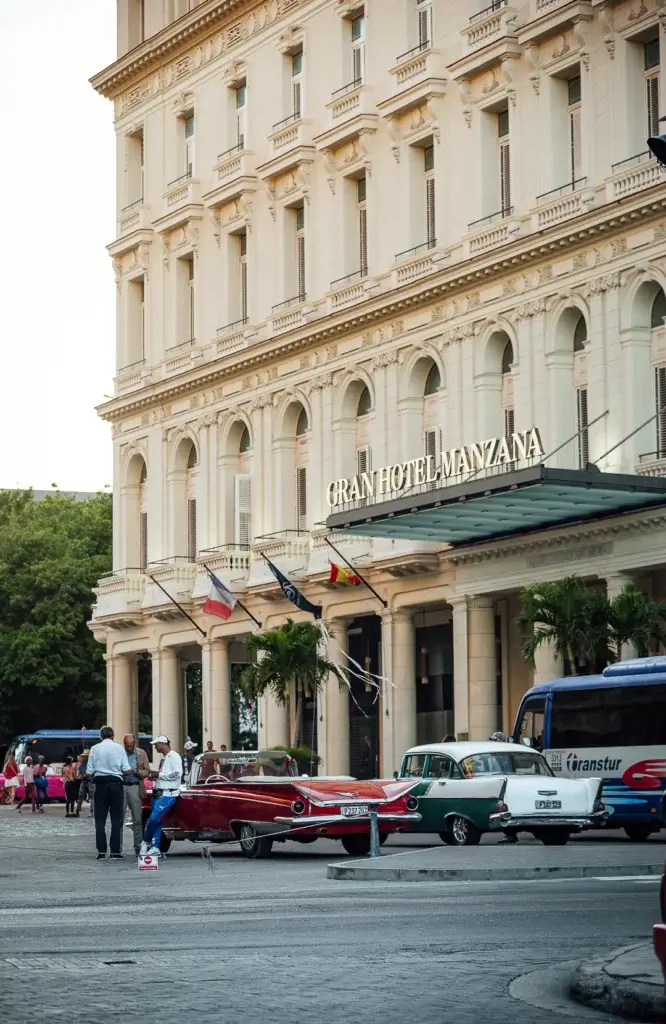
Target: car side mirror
395	775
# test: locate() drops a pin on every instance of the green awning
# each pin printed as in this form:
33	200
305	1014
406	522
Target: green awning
510	503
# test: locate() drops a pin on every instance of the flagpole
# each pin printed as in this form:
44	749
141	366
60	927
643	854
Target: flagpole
356	573
178	606
239	603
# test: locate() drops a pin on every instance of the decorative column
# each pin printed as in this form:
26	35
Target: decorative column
167	703
119	694
460	669
216	692
399	727
483	711
334	741
615	584
547	664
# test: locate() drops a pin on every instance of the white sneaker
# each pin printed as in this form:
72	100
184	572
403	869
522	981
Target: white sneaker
154	851
143	849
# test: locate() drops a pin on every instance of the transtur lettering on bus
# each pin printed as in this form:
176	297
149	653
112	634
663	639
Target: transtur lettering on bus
593	765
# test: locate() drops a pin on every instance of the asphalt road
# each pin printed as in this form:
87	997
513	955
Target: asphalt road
236	940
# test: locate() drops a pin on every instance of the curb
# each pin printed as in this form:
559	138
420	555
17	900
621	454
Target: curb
625	997
358	872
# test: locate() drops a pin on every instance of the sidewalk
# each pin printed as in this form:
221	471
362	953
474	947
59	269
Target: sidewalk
627	982
526	860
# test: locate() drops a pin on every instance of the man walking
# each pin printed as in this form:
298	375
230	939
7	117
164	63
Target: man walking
134	788
108	766
28	774
165	794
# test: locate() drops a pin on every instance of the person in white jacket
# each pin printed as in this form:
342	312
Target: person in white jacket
165	793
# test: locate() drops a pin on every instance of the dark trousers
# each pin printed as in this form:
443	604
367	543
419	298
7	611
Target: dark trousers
71	793
108	802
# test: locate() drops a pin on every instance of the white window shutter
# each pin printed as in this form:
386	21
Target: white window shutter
432	443
576	143
243	509
505	177
143	540
363	240
431	235
363	460
425	27
652	86
509	422
300	255
358	63
297	96
584	434
660	388
302	499
191	529
243	291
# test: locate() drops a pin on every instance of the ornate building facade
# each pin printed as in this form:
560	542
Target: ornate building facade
351	234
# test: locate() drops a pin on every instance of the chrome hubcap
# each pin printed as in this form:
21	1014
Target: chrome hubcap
459	830
248	837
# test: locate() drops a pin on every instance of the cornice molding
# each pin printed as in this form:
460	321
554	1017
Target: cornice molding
379	308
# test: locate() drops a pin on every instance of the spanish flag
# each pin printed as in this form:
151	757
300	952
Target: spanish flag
341	575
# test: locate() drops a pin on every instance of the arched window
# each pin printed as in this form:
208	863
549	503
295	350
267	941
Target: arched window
658	310
580	384
143	518
580	335
244	445
243	489
433	381
302	425
191	498
507	389
364	403
657	316
364	432
507	358
302	428
432	433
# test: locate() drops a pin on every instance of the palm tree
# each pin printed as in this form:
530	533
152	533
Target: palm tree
557	614
637	620
289	666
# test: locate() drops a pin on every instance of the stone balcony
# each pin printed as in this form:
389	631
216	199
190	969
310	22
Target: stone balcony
288	314
184	191
651	464
233	337
177	576
135	217
406	558
417	262
120	597
236	175
488	39
182	357
353	114
633	175
562	204
346	291
288	137
357	551
490	232
132	377
548	18
417	77
229	562
289	550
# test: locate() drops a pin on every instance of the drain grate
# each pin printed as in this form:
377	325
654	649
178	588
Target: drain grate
119	963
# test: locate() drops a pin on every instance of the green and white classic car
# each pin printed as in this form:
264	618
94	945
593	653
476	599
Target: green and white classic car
466	789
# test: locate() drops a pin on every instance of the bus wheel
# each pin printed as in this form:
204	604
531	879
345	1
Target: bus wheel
638	833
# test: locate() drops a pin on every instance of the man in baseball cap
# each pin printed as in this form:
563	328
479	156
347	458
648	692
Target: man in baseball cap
188	758
165	793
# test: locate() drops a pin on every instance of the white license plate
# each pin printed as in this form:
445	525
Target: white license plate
548	805
355	811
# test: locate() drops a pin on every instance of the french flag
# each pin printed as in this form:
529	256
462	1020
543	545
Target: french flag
220	601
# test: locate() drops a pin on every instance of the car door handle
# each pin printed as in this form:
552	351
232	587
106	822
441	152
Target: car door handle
441	782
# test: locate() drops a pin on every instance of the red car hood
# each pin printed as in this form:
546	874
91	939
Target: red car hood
348	791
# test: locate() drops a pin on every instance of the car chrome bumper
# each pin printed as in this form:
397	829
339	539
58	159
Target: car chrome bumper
526	822
342	819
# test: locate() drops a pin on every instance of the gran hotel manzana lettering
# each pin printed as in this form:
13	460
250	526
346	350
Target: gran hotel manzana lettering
524	445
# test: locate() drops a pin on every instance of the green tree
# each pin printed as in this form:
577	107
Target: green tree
52	552
637	620
289	666
559	614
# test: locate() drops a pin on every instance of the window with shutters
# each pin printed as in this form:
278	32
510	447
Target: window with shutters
508	412
429	173
362	213
504	162
582	428
575	142
136	321
242	276
191	296
358	49
191	529
297	84
242	510
189	145
241	115
660	405
432	443
134	168
301	499
651	65
143	518
300	251
424	14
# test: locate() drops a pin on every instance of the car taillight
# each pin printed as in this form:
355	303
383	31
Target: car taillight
599	806
298	806
411	803
502	807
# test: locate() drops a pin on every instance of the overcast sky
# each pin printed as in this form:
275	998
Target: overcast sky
57	292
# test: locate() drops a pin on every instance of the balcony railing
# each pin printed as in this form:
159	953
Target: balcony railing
421	48
563	190
496	6
235	325
180	181
295	300
133	207
417	250
228	153
632	161
491	219
349	87
132	367
358	275
292	119
184	345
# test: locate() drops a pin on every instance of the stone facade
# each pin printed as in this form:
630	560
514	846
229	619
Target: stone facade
328	253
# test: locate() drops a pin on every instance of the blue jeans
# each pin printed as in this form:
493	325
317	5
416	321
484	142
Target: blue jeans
153	830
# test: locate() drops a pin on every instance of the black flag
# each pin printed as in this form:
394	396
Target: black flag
293	594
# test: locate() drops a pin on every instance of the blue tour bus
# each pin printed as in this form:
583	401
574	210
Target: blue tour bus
612	725
57	744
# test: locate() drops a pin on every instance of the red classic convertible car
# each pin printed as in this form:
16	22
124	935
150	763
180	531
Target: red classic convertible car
256	797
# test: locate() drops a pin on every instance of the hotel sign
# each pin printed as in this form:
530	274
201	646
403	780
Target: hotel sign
395	480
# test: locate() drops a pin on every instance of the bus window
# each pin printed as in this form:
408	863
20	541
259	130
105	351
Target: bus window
622	716
531	724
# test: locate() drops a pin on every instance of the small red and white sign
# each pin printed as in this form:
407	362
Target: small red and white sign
148	863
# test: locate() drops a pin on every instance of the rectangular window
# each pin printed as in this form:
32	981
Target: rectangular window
582	426
432	444
651	59
509	422
660	389
429	167
424	12
134	168
191	529
297	83
301	499
623	716
241	110
363	464
189	145
358	49
143	540
504	162
191	297
300	251
242	275
242	510
362	225
575	142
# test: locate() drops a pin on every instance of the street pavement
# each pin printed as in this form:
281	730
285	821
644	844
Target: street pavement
274	940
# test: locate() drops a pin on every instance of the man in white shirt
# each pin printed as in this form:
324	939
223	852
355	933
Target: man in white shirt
165	794
108	766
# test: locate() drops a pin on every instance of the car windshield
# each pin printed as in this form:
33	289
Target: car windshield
504	763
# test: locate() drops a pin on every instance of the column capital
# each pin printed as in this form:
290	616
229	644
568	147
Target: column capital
481	603
401	615
337	626
219	642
